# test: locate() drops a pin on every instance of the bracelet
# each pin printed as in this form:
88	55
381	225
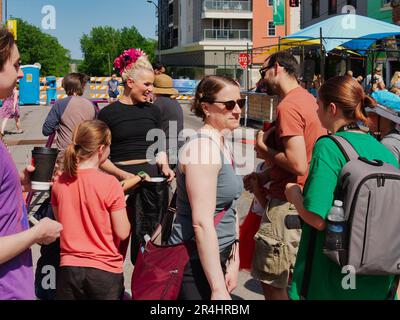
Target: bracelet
141	175
236	241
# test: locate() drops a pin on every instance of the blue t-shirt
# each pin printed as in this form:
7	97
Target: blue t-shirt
113	85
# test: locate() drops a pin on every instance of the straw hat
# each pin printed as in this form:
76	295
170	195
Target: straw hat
163	84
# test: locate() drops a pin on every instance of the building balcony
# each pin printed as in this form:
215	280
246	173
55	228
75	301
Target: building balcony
217	9
227	34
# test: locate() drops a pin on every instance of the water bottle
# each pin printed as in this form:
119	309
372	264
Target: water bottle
335	234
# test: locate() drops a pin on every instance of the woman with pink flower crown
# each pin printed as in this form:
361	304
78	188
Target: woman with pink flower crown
130	119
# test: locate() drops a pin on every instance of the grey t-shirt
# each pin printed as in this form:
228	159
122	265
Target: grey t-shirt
64	116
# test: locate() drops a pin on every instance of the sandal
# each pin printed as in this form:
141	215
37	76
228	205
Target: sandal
19	131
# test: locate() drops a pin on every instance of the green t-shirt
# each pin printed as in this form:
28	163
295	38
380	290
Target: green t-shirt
326	277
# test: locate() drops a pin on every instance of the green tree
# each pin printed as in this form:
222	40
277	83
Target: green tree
37	46
104	44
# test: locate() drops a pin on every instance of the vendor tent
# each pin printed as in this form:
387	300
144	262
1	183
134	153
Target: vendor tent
348	30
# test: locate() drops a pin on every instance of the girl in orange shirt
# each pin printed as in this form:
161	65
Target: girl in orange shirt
91	206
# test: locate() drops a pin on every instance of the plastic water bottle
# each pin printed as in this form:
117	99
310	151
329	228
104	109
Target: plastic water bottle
335	235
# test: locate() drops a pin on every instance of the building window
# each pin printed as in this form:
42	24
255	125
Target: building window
332	7
270	3
315	9
271	29
352	3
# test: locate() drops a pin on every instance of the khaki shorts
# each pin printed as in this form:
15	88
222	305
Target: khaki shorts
275	245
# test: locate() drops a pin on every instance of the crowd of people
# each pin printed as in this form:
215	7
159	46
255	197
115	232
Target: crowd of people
100	151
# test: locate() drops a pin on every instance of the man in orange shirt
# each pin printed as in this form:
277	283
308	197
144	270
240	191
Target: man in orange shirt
289	150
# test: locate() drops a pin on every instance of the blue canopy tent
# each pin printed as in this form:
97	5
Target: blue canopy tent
350	31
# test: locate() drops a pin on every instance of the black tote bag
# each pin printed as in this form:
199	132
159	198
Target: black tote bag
148	204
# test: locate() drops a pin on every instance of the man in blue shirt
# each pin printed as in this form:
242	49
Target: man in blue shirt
113	91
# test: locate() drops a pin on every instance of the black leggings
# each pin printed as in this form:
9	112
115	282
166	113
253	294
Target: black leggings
194	283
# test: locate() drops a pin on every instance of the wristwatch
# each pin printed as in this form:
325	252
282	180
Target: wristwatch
142	175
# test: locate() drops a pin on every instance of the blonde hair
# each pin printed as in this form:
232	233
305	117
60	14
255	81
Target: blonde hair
86	139
142	63
395	78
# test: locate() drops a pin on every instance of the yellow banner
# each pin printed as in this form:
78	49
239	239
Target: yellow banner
12	27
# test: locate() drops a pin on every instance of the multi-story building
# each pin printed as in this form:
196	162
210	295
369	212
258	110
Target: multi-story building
313	11
265	32
202	37
396	11
380	10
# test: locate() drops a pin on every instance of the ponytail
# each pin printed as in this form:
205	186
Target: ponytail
360	113
349	96
87	137
71	160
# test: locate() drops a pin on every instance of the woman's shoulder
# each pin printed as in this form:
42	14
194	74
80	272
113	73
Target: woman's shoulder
110	108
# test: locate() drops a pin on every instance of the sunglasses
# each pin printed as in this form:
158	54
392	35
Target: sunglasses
263	71
230	105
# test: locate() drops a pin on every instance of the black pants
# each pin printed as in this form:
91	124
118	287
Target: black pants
81	283
194	283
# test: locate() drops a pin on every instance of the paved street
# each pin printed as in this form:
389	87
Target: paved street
32	119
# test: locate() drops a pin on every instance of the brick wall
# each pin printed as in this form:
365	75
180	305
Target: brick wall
396	11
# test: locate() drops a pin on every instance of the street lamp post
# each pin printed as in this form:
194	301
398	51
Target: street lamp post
109	64
158	28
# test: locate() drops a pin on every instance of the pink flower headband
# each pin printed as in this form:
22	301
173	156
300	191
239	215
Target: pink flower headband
127	59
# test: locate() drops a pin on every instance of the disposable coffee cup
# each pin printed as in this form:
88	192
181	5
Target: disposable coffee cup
44	160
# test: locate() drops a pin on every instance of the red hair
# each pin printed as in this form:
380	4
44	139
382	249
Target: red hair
348	95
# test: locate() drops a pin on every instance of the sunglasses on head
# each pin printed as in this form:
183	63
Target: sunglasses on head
230	105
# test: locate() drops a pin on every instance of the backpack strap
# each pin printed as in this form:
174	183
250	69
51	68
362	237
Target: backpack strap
308	266
347	149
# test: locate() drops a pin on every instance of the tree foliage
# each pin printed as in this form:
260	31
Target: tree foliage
104	44
37	46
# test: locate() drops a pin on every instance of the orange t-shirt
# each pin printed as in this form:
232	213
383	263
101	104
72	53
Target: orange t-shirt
85	205
296	116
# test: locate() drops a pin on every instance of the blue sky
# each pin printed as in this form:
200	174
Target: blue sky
76	17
